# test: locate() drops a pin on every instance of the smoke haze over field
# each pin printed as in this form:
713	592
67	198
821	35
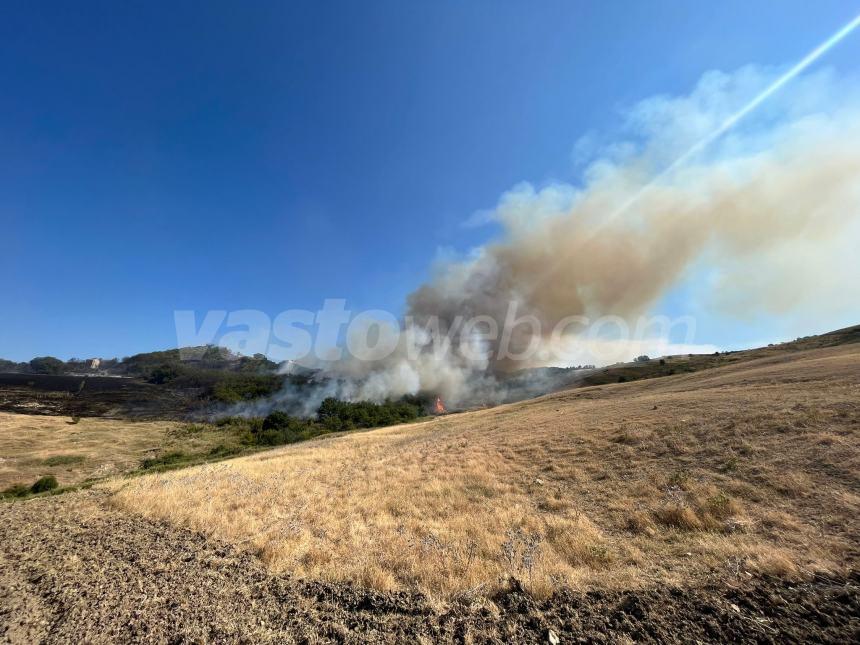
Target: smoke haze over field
753	221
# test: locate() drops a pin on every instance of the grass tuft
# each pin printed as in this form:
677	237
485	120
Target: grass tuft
63	460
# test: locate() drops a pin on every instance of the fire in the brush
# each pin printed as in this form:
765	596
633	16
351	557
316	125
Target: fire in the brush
439	406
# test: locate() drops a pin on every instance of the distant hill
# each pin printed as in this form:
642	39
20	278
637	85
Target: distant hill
528	383
167	384
195	381
206	357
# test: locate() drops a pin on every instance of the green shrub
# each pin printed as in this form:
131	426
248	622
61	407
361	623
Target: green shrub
223	450
47	365
63	460
16	490
277	420
279	428
168	459
46	483
163	374
233	388
342	415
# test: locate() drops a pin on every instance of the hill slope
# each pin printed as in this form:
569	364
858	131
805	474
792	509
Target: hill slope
750	467
721	505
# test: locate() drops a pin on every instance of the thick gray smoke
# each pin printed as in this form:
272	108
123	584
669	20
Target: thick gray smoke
764	219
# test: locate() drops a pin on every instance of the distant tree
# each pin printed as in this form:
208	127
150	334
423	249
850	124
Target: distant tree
277	420
163	374
216	353
330	408
8	366
47	365
342	415
642	359
232	387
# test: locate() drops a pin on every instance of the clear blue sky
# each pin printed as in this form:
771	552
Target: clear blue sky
225	155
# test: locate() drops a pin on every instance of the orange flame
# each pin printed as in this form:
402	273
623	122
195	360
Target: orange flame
439	407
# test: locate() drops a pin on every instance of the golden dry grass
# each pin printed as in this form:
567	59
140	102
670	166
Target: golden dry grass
34	445
743	469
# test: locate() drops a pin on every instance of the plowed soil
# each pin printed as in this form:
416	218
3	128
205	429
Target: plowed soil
74	569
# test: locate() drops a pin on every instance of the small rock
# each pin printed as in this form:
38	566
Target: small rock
538	481
552	637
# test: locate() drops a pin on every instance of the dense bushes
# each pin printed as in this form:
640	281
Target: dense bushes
279	428
342	415
232	388
9	366
163	374
241	434
226	387
46	365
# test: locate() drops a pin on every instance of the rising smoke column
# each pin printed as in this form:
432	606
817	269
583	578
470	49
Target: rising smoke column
770	207
765	219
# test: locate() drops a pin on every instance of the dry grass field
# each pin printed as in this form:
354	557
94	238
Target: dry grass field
88	448
729	473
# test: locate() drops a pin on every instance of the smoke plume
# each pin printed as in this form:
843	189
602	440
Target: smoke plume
762	220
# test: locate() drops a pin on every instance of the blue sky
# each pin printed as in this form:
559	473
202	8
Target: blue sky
163	156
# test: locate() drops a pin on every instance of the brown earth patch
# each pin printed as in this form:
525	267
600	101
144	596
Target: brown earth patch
75	570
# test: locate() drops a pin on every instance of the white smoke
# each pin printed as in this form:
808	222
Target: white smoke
769	213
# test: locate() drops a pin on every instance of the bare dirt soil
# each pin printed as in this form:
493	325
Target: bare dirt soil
75	570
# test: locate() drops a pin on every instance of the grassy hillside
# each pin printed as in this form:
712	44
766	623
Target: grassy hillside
688	363
75	451
749	468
